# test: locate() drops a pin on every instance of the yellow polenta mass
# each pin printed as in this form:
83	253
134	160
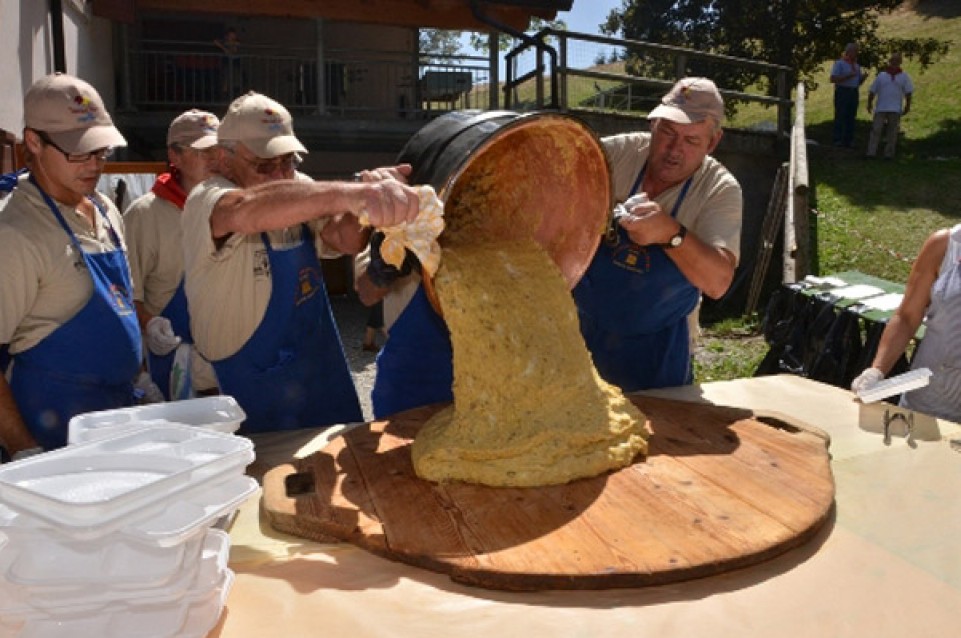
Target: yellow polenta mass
529	407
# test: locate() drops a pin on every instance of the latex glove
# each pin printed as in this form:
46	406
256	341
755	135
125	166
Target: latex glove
160	336
866	380
24	454
380	272
146	390
623	211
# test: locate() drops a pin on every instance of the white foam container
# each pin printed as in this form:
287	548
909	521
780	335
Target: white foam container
218	413
186	614
143	554
94	487
896	385
203	573
174	523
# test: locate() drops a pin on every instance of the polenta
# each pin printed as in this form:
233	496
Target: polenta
529	407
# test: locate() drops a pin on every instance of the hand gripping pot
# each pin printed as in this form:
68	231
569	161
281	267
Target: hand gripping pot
505	176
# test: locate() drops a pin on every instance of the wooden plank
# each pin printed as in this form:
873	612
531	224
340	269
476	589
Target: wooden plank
719	490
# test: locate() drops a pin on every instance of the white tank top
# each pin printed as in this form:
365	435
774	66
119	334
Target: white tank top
940	350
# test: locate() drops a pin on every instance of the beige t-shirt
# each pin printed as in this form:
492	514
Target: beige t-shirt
156	255
43	279
712	206
228	288
155	244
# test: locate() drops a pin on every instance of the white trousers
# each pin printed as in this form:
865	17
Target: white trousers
881	120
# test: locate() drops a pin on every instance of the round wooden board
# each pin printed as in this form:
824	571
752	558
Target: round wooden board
721	488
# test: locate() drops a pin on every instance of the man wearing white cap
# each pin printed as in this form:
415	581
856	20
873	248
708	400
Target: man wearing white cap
252	237
155	243
676	237
66	308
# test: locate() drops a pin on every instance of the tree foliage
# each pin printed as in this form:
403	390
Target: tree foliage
442	42
800	34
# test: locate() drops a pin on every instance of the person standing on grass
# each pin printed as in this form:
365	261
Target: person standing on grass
847	78
893	89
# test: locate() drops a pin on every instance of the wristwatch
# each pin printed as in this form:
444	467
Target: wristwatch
678	238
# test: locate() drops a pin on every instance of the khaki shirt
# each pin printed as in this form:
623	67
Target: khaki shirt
228	288
43	279
155	243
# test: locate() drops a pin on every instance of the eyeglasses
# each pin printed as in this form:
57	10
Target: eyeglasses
76	158
270	166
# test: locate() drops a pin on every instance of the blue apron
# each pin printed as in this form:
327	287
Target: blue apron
633	304
160	365
292	372
414	367
89	362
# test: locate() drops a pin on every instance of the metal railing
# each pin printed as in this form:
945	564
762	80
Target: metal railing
587	72
170	75
610	74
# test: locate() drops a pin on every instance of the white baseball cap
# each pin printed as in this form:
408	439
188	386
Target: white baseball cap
71	113
262	125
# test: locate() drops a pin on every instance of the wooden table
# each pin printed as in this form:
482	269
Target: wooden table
887	564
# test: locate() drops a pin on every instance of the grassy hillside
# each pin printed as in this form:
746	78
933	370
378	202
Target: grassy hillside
873	215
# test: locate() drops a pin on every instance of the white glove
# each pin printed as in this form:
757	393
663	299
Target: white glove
866	380
634	200
23	454
148	390
160	336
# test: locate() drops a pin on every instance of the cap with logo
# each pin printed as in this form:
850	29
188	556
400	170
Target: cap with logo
262	125
194	128
690	100
71	113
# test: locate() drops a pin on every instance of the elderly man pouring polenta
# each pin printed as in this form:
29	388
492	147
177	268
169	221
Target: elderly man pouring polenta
676	236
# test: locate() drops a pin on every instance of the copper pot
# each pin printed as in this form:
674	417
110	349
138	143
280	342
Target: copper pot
508	176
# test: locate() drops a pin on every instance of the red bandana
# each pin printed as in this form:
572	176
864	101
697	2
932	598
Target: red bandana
166	187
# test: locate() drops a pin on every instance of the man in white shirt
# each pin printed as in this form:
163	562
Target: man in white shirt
893	90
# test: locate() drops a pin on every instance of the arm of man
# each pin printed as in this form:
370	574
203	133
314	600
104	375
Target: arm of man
907	104
14	435
285	203
905	321
709	268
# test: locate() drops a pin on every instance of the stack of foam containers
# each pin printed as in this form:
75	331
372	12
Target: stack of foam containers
116	535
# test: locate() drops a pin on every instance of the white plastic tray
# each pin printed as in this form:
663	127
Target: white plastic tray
45	564
148	553
202	575
172	522
93	484
193	616
218	413
896	385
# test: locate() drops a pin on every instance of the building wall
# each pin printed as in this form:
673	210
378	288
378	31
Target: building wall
27	48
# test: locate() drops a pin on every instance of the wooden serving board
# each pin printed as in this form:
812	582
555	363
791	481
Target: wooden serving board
721	488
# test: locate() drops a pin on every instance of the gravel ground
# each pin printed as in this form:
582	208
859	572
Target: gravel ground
351	317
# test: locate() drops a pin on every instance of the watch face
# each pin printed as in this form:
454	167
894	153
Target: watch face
676	240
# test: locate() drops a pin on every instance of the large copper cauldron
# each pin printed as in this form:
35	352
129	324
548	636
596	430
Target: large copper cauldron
540	175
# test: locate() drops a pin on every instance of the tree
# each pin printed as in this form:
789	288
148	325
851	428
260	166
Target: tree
800	34
438	42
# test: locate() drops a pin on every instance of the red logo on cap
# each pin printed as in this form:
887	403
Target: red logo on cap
85	110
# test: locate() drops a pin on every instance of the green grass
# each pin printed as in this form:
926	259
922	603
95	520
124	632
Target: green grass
869	215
